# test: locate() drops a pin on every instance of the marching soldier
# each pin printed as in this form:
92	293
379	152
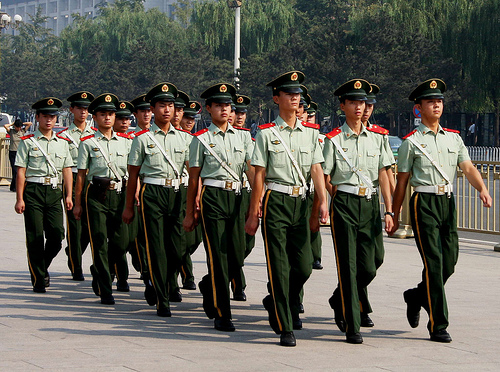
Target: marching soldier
41	158
142	112
355	159
428	158
102	159
77	234
311	112
286	156
218	154
159	156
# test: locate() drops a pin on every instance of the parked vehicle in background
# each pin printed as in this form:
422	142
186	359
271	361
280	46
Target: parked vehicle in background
395	142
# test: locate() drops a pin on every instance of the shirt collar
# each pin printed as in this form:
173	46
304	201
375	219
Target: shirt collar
425	130
39	135
348	132
214	129
282	125
155	128
98	135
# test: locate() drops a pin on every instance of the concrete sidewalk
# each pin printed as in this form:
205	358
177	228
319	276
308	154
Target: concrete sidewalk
67	329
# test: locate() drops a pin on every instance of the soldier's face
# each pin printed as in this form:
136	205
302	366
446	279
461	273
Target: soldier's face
311	119
367	113
164	112
239	120
143	117
300	111
104	119
231	117
46	121
79	113
187	123
287	101
219	112
431	109
353	110
121	124
178	114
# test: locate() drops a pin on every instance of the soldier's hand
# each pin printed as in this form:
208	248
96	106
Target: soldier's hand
323	213
485	198
252	225
389	223
395	226
19	207
77	212
69	203
314	224
189	222
128	215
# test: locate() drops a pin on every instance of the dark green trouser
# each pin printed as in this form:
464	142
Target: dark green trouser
316	236
238	283
43	214
117	258
137	245
160	210
221	236
107	233
193	240
355	223
286	233
434	222
77	235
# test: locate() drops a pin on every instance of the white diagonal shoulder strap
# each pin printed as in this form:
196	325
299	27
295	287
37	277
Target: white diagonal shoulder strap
289	153
47	156
436	165
70	138
217	157
354	169
165	155
110	165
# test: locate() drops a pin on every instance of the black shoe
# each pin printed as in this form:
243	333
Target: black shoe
412	308
150	294
441	336
354	338
317	265
78	277
164	313
39	289
287	339
297	323
108	300
301	308
122	286
273	320
239	296
189	285
175	296
337	313
95	284
47	280
366	321
224	325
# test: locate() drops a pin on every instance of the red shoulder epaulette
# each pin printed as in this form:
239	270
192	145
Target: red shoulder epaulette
124	135
27	136
333	133
377	129
240	128
310	125
451	130
201	132
185	131
64	129
94	128
268	125
320	140
253	139
409	134
141	132
64	138
86	137
131	133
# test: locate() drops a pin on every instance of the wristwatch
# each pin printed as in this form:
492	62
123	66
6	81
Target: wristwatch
389	214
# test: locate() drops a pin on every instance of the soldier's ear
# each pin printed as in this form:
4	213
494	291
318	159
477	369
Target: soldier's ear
276	99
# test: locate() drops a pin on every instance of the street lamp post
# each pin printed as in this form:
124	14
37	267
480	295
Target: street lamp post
7	21
236	5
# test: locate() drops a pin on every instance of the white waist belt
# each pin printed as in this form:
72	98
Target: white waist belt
166	182
74	169
185	181
225	185
53	181
356	190
246	185
437	189
294	191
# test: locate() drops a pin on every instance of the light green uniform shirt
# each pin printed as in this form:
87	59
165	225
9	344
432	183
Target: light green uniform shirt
30	156
366	152
76	134
146	154
321	139
90	157
447	148
387	147
231	146
270	153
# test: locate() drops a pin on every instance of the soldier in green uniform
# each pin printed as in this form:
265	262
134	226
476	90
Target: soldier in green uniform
41	158
286	157
311	112
102	159
238	283
142	112
218	154
428	158
355	159
159	156
77	234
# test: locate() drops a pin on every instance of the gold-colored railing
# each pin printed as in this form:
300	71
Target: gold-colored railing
5	169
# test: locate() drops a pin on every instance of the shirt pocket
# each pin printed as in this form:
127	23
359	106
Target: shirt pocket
372	158
121	159
452	156
277	158
421	159
58	161
210	160
239	155
97	160
153	155
179	155
341	163
36	159
305	157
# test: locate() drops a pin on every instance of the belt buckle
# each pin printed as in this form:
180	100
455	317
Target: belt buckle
47	181
112	185
228	185
362	191
168	182
295	190
441	189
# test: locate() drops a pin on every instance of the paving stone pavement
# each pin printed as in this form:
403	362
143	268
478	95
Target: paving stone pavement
67	329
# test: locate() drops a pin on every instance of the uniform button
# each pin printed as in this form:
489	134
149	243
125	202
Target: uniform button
359	155
229	163
441	164
293	150
440	152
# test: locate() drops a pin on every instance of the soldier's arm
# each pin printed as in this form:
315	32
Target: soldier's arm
475	179
21	179
250	173
189	222
385	189
252	223
128	212
68	185
398	198
80	178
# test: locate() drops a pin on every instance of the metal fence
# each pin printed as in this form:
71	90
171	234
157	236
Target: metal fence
482	153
